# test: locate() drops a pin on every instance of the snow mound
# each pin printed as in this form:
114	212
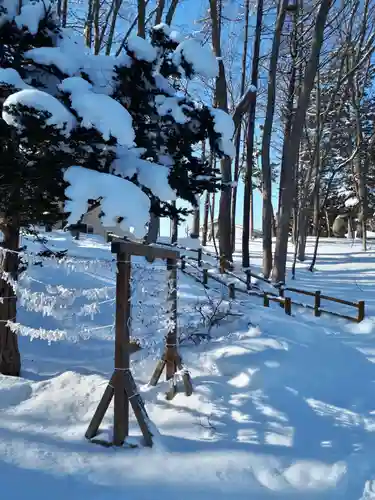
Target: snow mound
201	59
223	125
11	77
38	100
142	50
170	106
118	198
65	62
99	111
31	14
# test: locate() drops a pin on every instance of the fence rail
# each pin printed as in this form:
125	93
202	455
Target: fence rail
285	301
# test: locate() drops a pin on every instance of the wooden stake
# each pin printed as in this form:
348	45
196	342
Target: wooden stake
361	311
317	304
288	306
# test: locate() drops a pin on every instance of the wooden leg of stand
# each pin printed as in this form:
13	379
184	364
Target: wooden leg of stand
157	373
138	407
100	411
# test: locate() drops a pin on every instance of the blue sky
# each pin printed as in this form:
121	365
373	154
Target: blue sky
187	12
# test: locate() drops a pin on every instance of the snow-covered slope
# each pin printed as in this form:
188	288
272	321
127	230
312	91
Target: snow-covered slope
282	407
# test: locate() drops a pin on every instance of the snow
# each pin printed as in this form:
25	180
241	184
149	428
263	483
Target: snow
164	28
31	14
142	50
10	10
11	77
118	198
171	106
150	175
66	62
223	125
99	111
201	58
60	117
351	202
282	407
101	70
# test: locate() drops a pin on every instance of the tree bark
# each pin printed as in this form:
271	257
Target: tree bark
196	222
248	184
221	98
159	12
205	219
238	133
171	12
279	270
142	18
153	229
174	226
10	359
266	141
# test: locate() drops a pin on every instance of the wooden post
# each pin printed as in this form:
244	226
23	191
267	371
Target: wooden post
232	291
361	311
288	306
122	385
281	295
199	257
171	360
183	262
248	279
317	302
266	300
205	276
122	340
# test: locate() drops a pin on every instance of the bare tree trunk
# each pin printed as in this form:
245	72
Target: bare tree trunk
302	236
116	5
279	270
316	218
159	11
238	136
171	12
205	219
196	222
328	224
64	13
248	221
89	23
153	229
266	141
10	359
96	26
221	97
142	18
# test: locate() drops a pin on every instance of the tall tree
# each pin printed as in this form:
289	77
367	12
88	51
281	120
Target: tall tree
291	153
250	138
266	141
221	99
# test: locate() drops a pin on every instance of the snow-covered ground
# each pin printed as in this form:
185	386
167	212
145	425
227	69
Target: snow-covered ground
282	407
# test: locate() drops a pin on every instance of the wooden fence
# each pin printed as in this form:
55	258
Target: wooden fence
284	300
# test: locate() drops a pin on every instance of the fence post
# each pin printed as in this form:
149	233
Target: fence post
199	257
317	312
266	300
232	291
205	276
282	295
361	310
248	279
183	263
288	306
